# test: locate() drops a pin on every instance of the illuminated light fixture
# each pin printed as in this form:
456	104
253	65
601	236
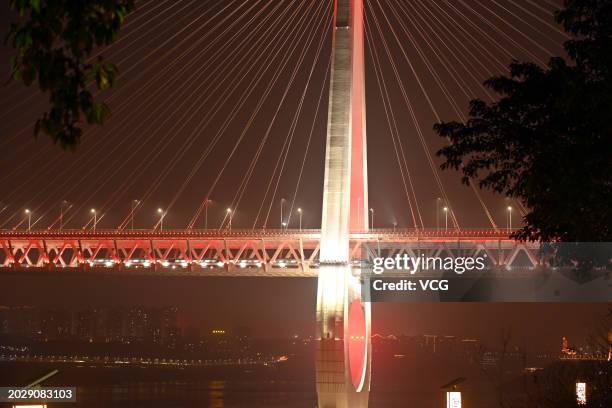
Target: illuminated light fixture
509	217
229	215
445	209
165	263
581	394
220	264
29	214
108	263
299	210
453	399
31	406
162	214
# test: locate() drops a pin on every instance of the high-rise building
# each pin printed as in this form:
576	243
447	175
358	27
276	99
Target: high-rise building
169	326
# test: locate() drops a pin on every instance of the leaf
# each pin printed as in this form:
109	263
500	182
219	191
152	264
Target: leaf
52	39
35	5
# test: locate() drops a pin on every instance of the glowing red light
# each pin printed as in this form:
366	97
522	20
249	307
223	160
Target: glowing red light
357	345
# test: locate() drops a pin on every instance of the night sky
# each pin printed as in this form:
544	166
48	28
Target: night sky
203	83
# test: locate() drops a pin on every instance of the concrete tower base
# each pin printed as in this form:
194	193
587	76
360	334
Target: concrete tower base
343	349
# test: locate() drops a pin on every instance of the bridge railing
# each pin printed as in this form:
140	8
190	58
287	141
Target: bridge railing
384	233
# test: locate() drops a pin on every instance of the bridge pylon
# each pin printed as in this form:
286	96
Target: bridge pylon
343	352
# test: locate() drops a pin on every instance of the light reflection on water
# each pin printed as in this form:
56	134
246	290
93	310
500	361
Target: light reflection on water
231	394
211	394
217	394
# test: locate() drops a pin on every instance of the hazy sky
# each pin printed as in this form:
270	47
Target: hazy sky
177	60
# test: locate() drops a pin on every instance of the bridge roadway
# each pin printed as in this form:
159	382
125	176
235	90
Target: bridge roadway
270	252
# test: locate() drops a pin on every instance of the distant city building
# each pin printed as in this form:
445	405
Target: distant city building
104	325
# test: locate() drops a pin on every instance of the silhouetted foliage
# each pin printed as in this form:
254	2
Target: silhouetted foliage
547	140
54	40
555	385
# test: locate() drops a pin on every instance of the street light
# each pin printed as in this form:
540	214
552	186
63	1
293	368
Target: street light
509	217
284	224
95	218
438	213
230	215
445	218
281	212
208	200
299	210
162	214
394	226
3	208
64	203
29	214
135	203
371	217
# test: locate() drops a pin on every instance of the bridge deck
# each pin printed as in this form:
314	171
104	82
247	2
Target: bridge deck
236	252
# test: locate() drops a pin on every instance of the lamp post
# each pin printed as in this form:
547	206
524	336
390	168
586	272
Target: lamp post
3	208
95	218
394	226
509	218
445	218
206	212
438	213
281	212
135	203
299	210
230	215
162	214
284	225
29	214
372	217
61	220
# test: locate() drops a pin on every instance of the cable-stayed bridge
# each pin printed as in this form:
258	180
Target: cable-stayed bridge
194	93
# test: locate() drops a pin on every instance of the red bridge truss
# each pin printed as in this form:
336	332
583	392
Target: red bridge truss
239	252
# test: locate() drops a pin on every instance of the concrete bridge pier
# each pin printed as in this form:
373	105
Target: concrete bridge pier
343	350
